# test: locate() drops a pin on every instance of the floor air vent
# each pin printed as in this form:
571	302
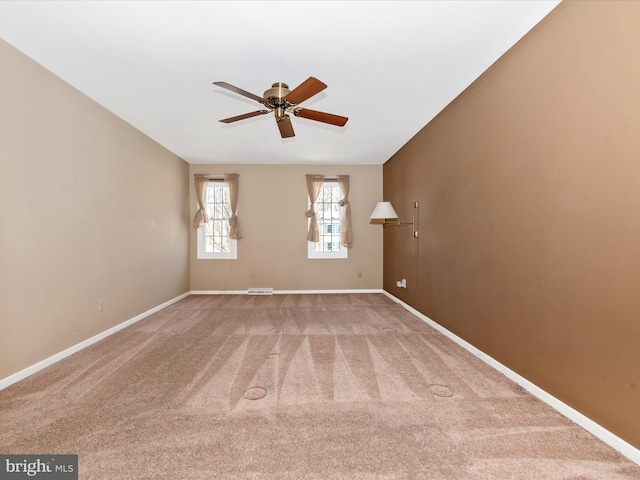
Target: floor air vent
260	291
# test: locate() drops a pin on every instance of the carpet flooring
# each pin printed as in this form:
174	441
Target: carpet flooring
346	386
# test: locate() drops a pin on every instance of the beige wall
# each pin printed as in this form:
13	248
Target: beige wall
273	251
90	208
529	190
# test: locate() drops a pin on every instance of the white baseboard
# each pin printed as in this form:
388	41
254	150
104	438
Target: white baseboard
16	377
288	292
626	449
218	292
315	292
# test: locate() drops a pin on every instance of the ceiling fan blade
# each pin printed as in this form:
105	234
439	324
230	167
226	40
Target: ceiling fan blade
321	116
242	117
250	95
306	89
286	129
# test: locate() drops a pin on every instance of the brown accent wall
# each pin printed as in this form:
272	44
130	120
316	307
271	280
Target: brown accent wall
90	208
272	201
529	191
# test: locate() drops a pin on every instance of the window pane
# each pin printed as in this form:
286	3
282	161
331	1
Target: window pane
217	230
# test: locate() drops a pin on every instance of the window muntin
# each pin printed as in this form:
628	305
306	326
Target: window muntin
329	216
331	229
213	237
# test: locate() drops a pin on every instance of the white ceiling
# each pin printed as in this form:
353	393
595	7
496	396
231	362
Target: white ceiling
390	66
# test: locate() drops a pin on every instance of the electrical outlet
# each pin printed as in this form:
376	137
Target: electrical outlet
101	305
359	273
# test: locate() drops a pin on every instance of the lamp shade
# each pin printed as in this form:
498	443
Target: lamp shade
382	211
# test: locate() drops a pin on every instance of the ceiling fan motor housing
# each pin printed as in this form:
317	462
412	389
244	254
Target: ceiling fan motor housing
276	95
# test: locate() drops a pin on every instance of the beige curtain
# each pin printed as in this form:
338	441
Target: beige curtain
346	236
314	185
201	189
232	181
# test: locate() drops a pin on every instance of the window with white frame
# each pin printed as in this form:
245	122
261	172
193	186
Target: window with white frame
329	215
213	236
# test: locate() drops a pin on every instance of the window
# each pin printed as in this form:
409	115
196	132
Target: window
329	214
213	236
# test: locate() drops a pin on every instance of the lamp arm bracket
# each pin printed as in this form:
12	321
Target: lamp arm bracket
398	223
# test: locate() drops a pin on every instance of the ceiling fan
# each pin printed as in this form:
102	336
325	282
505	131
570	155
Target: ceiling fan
279	99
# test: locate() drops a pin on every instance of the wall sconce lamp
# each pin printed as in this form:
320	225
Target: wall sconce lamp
384	211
